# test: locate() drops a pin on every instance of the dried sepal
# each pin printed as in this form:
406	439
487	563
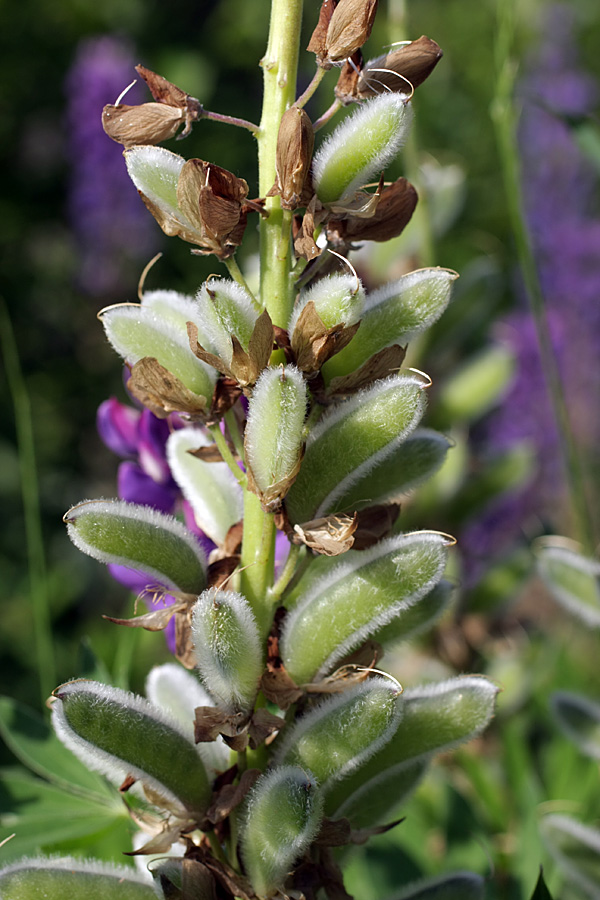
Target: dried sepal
305	245
380	365
156	620
349	25
295	144
402	69
211	198
162	392
148	123
313	343
279	687
168	94
318	40
373	524
243	366
329	535
393	212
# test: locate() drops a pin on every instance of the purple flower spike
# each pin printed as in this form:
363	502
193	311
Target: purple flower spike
118	427
153	434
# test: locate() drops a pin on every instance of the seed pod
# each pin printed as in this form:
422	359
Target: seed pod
360	148
77	879
274	433
210	488
141	538
338	300
282	819
341	604
435	718
149	123
342	732
350	440
225	310
136	332
121	735
572	579
394	314
295	143
228	649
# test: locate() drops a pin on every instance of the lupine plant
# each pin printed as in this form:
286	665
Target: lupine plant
275	742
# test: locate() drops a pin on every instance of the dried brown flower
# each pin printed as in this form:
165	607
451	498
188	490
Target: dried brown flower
295	143
401	70
396	205
211	199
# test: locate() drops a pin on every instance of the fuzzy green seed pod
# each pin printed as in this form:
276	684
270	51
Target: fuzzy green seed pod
136	332
360	148
339	605
350	440
283	817
338	299
228	648
225	308
77	879
394	314
342	732
127	534
121	735
274	432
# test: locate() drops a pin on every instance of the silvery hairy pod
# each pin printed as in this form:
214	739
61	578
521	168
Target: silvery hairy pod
228	648
357	150
142	538
350	439
339	605
325	318
195	200
295	144
237	340
155	343
210	488
572	579
394	314
123	736
339	734
436	717
282	818
401	70
57	878
274	433
395	207
343	27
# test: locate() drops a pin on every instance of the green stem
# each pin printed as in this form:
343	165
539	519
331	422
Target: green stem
258	559
42	626
234	433
227	455
287	573
505	121
237	275
280	66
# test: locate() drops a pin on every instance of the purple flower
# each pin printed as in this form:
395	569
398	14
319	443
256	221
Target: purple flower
113	230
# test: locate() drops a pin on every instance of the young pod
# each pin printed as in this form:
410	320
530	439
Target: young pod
138	331
228	648
225	310
360	148
436	718
209	487
339	605
121	735
341	733
141	538
338	300
274	433
57	878
282	819
350	440
394	314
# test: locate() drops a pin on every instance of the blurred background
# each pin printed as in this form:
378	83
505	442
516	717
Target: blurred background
76	238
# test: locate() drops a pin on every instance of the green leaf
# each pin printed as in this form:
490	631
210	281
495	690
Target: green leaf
458	886
34	743
139	537
576	848
58	879
339	734
283	816
122	735
541	892
579	719
345	603
350	440
572	579
41	815
394	314
435	718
